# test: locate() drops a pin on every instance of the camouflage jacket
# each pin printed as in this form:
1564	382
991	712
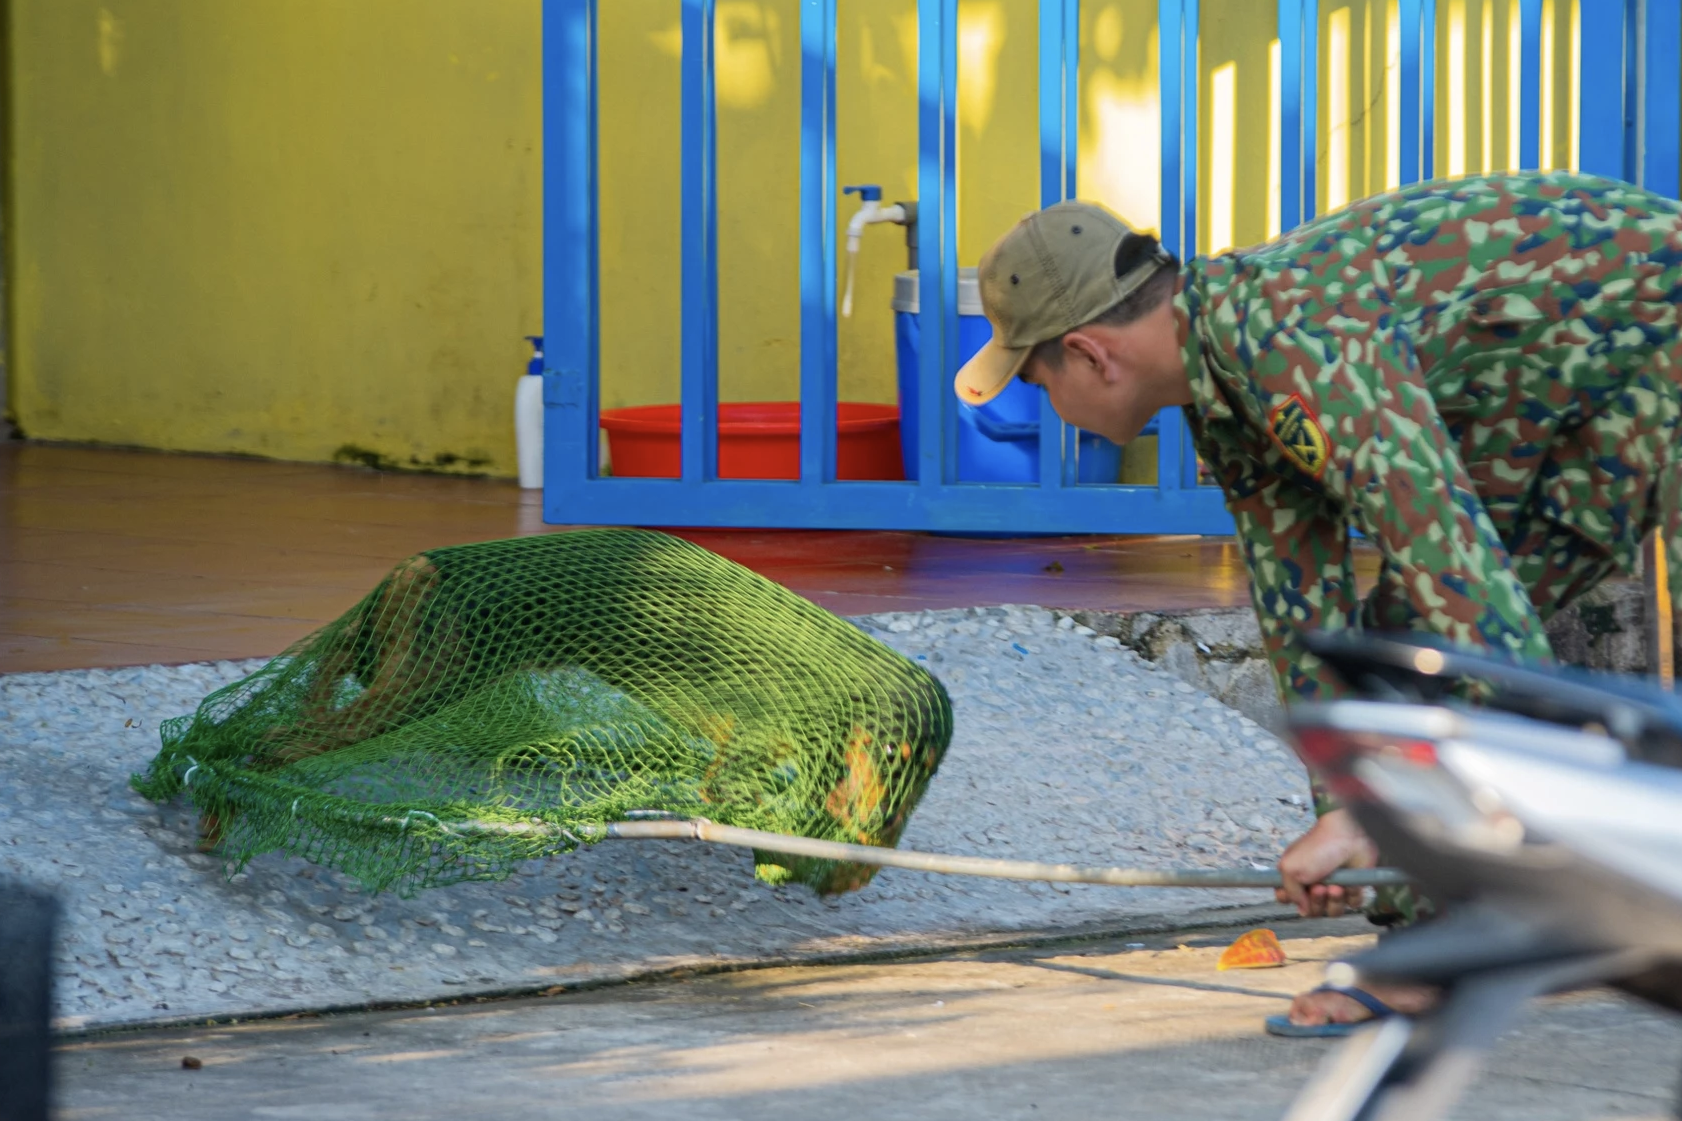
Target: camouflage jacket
1437	368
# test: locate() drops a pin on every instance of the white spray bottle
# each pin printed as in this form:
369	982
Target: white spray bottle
528	418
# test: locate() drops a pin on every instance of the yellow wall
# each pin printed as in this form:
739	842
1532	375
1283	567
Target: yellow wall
1357	114
758	97
998	120
875	142
312	228
1235	40
1476	93
278	228
1474	45
637	180
1120	145
758	85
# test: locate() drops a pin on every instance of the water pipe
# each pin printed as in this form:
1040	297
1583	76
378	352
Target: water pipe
870	212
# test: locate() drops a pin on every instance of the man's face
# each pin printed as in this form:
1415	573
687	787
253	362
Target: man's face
1097	388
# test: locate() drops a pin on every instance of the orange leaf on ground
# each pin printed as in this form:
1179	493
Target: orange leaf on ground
1259	949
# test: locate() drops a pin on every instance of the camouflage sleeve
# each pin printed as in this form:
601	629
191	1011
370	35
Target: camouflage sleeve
1302	576
1388	459
1347	407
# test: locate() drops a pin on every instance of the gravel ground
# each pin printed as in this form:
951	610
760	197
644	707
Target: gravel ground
1068	747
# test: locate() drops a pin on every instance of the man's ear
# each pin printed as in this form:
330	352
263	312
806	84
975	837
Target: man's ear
1080	347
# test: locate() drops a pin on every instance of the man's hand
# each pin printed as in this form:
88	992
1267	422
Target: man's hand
1334	842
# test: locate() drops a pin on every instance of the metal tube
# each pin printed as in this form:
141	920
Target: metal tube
685	830
975	865
668	829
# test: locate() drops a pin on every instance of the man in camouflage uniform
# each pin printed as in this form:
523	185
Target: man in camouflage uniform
1484	377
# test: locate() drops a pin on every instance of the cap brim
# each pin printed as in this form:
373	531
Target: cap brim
986	375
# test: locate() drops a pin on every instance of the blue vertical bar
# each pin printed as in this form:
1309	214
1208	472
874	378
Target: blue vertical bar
1407	18
1188	451
700	246
1632	90
949	239
1059	86
1059	94
1169	37
1599	88
1661	38
1530	84
1428	90
1191	81
1310	109
1054	188
817	242
937	238
1171	428
1070	475
1290	114
1177	34
1051	102
1174	451
1071	96
1170	449
1071	188
569	250
1051	445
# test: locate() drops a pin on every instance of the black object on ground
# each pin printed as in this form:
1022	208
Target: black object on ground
27	918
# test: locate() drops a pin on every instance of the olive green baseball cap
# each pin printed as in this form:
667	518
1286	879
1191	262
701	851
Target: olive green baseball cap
1050	274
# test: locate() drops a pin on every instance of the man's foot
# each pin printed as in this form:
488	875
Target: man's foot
1327	1006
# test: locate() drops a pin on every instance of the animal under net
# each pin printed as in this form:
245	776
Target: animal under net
492	703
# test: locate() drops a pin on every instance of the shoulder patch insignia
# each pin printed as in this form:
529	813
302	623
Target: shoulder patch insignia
1298	433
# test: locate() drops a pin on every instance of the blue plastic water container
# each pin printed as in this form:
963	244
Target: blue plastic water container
998	442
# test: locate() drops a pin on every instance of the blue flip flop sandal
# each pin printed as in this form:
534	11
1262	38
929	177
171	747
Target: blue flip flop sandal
1281	1025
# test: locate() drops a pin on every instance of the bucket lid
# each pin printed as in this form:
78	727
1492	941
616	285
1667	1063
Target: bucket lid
969	292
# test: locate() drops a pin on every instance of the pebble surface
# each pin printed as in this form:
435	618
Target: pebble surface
1068	747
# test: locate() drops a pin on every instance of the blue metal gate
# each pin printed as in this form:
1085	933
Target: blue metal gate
1631	126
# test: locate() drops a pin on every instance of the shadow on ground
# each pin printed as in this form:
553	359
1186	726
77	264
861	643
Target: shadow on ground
1090	1031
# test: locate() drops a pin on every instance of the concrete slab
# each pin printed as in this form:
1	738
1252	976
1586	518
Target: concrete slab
1103	1029
1067	748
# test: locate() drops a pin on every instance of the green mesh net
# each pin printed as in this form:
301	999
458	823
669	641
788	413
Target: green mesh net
488	704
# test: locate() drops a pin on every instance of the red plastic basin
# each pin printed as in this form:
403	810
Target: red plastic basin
756	440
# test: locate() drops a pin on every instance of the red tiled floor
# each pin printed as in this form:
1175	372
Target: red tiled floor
118	557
